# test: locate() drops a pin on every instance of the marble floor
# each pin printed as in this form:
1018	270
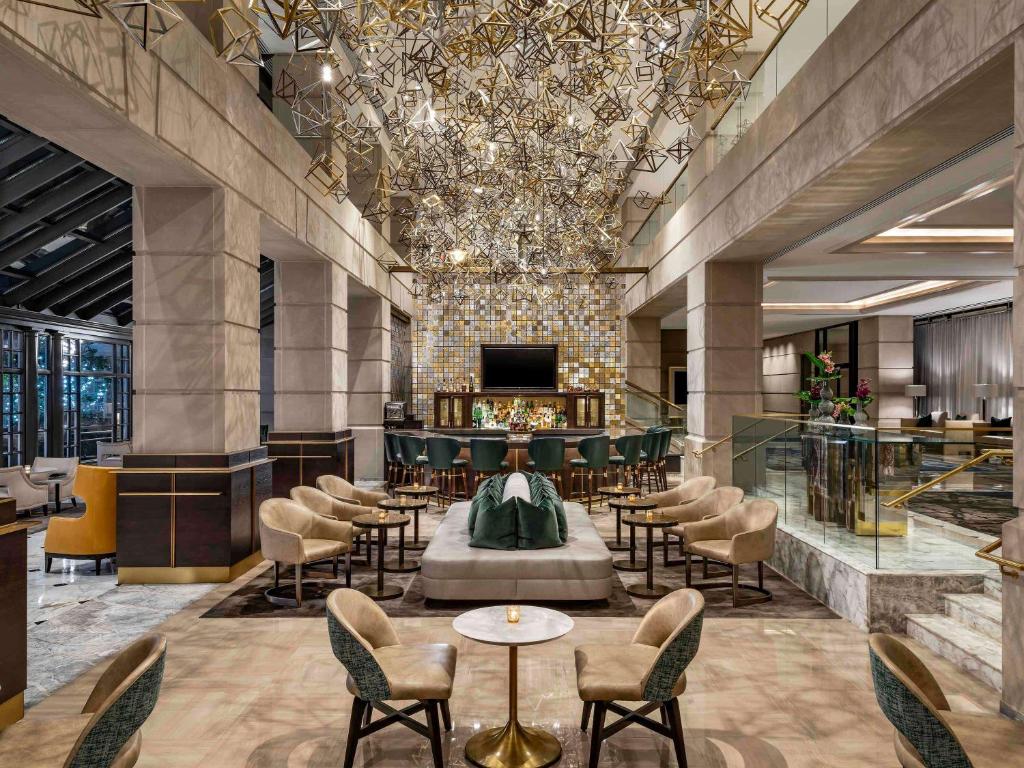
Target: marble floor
793	693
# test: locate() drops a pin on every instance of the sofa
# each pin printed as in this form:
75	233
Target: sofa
579	570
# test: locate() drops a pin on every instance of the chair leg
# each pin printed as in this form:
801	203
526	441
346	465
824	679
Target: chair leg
735	584
368	716
49	562
676	725
354	726
760	574
434	728
590	489
597	733
99	564
298	585
588	707
446	715
334	567
689	570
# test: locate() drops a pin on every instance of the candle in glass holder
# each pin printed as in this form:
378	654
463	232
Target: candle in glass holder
618	487
631	498
650	515
403	499
512	614
382	516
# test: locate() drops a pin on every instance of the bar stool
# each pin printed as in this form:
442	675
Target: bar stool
593	461
628	460
487	457
547	456
442	458
411	453
666	446
649	450
392	458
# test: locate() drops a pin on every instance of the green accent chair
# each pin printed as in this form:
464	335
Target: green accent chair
650	669
413	456
649	449
392	458
487	457
547	456
627	463
593	461
446	466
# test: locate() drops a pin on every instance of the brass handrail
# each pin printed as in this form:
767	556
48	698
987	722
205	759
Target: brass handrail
899	501
655	396
702	451
753	447
1006	567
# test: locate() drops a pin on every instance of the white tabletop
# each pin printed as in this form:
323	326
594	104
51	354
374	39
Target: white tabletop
535	625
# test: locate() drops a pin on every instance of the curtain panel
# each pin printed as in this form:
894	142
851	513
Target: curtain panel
953	354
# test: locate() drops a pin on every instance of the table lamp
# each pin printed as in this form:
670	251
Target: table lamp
983	392
915	391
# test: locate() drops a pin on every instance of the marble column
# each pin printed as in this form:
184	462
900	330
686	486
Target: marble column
369	380
723	357
196	309
885	355
643	366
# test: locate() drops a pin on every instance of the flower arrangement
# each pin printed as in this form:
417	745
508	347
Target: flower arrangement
824	371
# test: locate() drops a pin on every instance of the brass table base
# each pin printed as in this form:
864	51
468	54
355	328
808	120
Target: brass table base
513	746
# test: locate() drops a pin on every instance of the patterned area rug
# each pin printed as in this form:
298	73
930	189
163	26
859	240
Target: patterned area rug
790	602
984	512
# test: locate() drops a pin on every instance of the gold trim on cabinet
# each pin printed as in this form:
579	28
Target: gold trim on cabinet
170	493
218	574
191	470
12	710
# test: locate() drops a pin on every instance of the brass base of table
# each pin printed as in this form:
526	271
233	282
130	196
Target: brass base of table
284	595
641	590
513	746
625	565
392	566
618	547
387	592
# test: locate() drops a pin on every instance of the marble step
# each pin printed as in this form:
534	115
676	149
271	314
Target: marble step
994	585
982	613
976	654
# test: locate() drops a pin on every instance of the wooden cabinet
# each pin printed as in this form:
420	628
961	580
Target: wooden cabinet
453	410
586	410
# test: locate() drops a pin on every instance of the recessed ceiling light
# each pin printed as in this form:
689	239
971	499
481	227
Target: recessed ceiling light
949	233
886	297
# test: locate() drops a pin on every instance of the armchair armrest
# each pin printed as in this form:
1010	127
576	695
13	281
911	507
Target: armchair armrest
715	528
344	510
280	546
334	530
367	498
686	513
752	546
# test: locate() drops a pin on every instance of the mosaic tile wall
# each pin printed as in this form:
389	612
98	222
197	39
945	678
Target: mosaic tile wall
586	325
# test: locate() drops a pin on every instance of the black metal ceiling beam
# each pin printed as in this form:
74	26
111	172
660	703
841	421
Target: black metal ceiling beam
16	149
37	240
50	204
30	180
108	300
81	282
83	259
95	292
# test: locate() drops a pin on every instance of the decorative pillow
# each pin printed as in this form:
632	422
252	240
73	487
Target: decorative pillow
536	527
1007	422
544	495
925	421
488	493
938	418
496	526
517	484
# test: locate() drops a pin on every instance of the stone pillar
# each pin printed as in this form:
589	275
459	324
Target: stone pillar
369	380
1012	702
310	436
885	355
723	343
196	309
643	366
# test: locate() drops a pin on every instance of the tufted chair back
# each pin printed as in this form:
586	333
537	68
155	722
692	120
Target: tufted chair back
356	626
913	702
674	626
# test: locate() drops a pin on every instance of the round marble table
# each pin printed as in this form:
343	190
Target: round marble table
371	521
513	745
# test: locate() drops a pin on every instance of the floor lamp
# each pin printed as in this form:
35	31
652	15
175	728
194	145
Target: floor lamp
983	392
915	391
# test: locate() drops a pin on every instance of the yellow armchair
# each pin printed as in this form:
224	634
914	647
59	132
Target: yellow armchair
93	536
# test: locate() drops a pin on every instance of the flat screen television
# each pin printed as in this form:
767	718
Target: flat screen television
519	366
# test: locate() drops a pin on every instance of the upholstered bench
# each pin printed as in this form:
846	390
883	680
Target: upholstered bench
579	570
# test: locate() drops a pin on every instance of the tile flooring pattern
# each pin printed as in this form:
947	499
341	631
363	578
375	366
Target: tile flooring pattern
781	693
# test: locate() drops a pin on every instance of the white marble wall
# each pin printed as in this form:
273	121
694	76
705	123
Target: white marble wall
643	365
196	335
369	380
885	355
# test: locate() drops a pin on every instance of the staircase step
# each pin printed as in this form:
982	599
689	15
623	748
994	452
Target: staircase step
976	654
982	613
994	585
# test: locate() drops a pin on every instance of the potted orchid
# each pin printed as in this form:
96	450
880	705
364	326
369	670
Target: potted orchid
854	406
819	392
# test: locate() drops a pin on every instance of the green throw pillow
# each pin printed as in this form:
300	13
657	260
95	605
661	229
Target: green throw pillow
495	525
544	495
490	492
537	527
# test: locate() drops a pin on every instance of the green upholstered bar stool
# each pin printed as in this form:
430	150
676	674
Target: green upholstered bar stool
487	457
547	455
666	445
413	457
628	460
445	465
392	458
593	461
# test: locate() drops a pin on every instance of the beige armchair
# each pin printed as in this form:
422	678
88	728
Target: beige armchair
650	669
342	489
294	535
712	504
744	534
45	466
329	506
382	668
685	492
16	483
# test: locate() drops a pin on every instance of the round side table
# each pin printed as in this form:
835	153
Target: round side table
648	589
513	745
415	506
417	491
372	521
624	505
615	492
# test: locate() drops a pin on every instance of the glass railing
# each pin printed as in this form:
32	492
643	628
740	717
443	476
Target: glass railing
645	408
892	499
791	51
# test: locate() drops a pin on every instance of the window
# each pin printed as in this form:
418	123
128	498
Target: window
11	395
97	395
